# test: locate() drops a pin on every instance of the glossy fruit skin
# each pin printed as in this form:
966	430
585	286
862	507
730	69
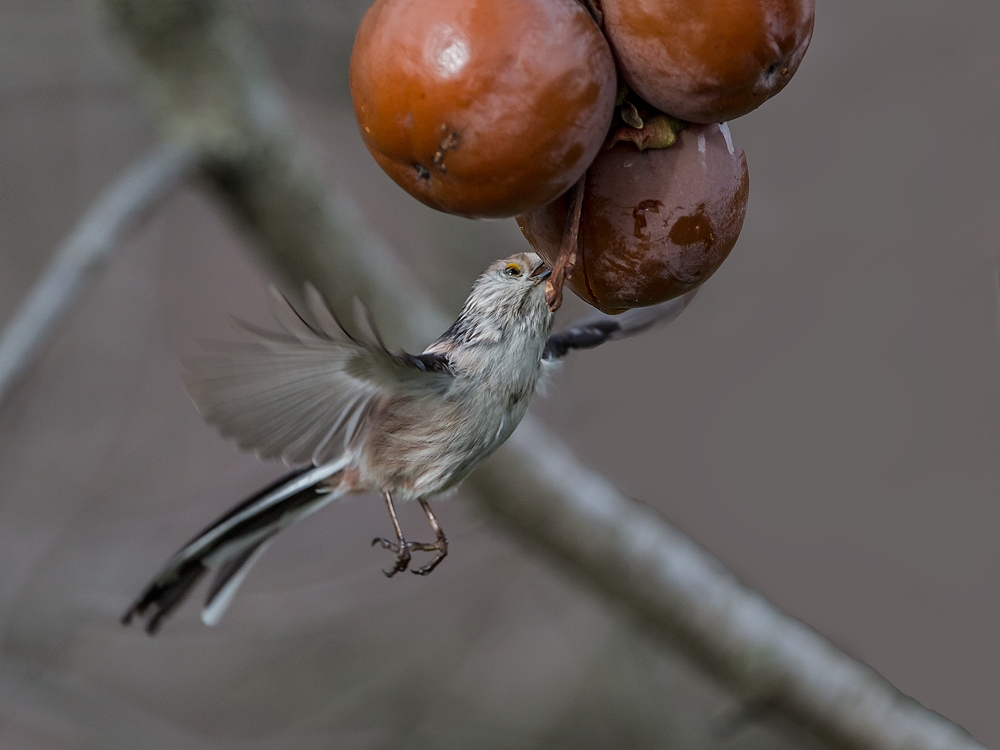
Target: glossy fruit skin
655	224
478	107
708	60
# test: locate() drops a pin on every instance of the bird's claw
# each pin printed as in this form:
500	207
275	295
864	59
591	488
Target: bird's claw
440	546
402	554
403	548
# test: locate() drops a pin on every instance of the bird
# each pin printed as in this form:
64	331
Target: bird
356	417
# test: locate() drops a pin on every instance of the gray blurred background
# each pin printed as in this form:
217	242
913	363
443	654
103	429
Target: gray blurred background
825	418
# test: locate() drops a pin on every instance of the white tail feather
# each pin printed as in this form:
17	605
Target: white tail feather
216	607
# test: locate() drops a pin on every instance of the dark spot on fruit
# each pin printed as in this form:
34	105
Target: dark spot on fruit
693	230
422	172
448	143
639	215
571	156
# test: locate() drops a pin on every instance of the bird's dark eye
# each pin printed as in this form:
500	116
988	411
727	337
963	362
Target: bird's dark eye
512	269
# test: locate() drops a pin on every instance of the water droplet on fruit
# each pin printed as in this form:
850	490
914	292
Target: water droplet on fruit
449	51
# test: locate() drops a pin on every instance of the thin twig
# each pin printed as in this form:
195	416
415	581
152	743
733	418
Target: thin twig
79	259
206	78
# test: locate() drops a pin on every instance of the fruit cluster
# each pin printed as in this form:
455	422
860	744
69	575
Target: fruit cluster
599	124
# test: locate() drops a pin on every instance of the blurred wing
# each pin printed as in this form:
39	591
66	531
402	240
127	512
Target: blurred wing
599	329
303	394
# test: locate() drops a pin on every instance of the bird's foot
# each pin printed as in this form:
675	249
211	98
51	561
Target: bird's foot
401	548
440	546
403	554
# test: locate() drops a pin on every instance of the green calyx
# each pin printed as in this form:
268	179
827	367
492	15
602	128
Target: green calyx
639	123
658	131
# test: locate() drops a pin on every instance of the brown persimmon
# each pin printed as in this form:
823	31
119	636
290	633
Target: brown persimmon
654	224
708	60
478	107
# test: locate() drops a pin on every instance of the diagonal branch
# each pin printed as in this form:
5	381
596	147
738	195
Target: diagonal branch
209	86
80	258
661	577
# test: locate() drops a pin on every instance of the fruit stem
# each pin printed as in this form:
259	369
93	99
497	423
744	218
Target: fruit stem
565	262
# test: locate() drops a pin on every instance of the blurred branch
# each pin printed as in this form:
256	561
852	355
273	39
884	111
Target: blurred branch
634	557
210	88
73	713
78	260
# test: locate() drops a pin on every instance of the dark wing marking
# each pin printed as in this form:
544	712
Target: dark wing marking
599	329
431	362
586	335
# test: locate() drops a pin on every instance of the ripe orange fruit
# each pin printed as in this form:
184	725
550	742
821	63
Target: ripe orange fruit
708	60
484	108
655	223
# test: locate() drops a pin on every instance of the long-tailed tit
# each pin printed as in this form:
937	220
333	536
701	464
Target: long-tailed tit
362	418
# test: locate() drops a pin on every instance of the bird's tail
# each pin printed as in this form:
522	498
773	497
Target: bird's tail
232	544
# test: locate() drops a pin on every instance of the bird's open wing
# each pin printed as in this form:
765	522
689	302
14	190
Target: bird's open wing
601	328
303	394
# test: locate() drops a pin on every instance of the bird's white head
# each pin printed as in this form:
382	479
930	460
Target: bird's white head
508	298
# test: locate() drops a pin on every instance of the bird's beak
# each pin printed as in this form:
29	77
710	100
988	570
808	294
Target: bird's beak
541	272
